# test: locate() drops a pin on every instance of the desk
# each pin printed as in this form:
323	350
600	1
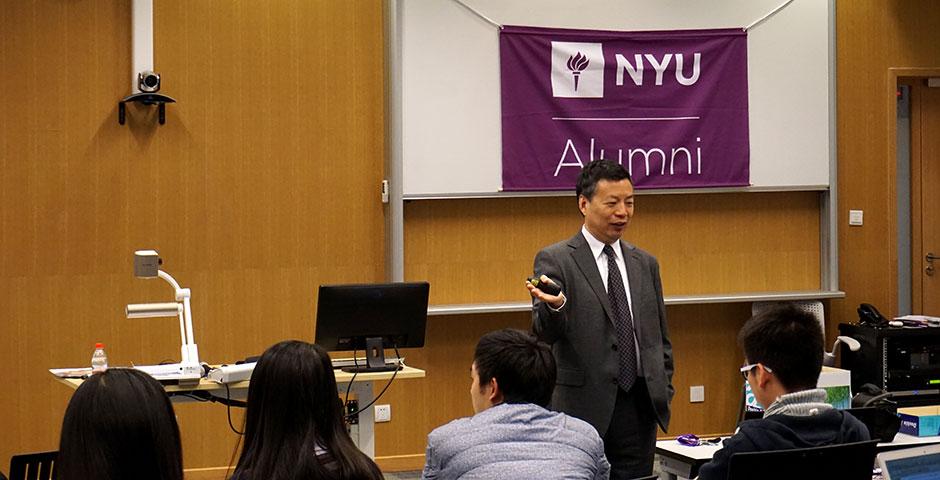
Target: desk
363	433
679	461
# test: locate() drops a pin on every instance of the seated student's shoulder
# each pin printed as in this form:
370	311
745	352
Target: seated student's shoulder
779	432
467	429
853	429
578	426
580	433
450	430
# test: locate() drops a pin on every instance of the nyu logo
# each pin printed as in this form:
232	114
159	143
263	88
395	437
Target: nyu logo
577	64
660	66
577	70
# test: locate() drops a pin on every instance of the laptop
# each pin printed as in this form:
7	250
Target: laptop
917	463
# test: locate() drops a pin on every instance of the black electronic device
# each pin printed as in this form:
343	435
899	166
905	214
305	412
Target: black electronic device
249	359
372	317
883	422
869	315
549	287
902	361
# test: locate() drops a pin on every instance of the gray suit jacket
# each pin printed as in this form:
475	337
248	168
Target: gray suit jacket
583	338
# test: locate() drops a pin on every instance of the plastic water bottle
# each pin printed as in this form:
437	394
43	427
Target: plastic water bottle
99	359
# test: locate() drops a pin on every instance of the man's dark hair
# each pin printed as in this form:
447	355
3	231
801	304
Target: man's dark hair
596	171
789	341
524	367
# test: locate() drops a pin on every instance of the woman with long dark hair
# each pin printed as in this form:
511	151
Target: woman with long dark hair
294	425
119	424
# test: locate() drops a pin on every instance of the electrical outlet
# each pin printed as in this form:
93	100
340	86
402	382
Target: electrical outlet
856	218
383	413
697	393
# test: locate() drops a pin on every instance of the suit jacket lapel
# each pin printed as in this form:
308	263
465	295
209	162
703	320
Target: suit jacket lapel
632	261
584	259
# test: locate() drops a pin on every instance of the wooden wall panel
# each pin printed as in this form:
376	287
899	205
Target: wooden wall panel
704	342
262	185
481	250
874	37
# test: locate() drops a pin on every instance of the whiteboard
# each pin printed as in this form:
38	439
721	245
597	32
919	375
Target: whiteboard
449	86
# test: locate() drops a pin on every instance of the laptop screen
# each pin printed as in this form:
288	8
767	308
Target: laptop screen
922	463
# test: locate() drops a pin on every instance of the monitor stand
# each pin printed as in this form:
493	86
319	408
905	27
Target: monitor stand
375	358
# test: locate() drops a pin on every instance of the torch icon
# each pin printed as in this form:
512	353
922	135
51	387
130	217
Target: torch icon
577	63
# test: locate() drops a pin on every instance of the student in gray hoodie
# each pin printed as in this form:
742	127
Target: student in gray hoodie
513	435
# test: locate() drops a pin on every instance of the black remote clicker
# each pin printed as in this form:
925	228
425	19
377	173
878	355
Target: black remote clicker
547	287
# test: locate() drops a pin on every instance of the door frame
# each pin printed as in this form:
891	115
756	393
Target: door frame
913	77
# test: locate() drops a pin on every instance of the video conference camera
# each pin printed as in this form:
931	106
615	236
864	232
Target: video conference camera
148	82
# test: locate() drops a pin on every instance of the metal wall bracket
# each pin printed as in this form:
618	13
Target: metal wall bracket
157	99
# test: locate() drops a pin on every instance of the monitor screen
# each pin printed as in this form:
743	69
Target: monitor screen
349	314
917	463
924	467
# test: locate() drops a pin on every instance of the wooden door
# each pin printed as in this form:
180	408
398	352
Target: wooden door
925	198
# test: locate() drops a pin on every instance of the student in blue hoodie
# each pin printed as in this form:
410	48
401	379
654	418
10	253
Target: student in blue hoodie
783	351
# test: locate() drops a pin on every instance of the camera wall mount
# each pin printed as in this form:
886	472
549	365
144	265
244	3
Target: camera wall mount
158	99
145	81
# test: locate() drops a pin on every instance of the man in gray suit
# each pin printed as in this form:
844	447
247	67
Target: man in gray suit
607	327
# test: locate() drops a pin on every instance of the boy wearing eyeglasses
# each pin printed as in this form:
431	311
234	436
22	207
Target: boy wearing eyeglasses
783	351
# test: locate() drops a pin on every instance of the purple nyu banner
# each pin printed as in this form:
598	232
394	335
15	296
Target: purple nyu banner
671	107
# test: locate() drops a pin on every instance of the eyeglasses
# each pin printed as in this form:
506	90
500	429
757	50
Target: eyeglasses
747	369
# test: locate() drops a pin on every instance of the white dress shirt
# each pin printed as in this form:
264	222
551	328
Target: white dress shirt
597	249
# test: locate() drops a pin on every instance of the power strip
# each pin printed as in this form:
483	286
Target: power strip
171	371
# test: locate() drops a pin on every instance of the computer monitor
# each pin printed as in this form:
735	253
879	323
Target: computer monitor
372	317
917	463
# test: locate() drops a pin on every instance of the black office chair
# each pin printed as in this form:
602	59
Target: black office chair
847	461
33	466
883	424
